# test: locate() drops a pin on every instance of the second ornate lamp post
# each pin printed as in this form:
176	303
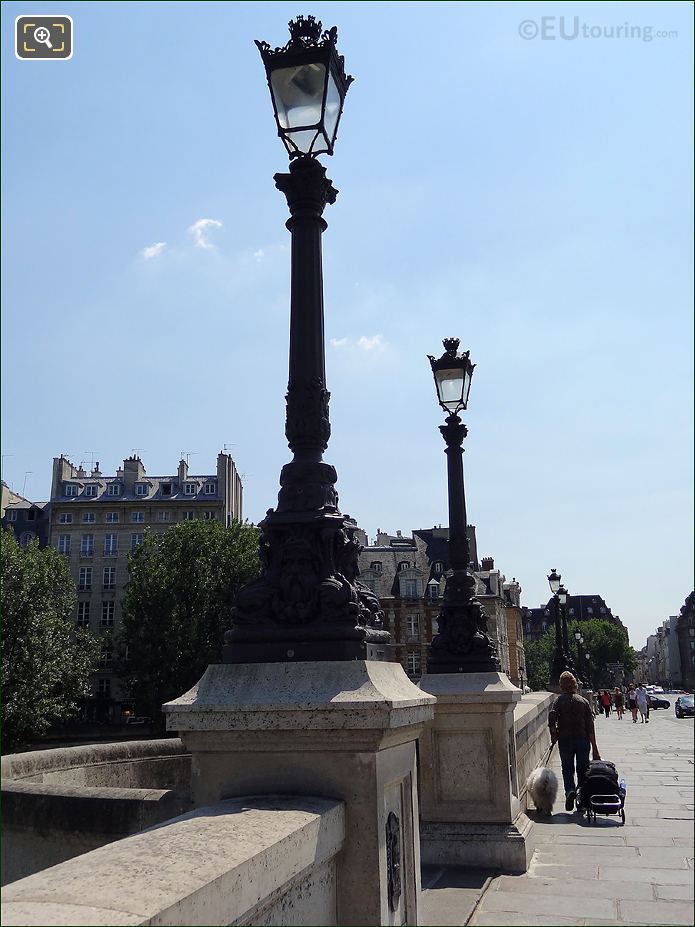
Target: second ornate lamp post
462	644
560	661
307	605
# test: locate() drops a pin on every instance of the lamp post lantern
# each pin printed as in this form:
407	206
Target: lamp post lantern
307	605
462	644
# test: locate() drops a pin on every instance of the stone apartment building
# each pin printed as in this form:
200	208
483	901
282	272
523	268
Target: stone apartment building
408	574
579	608
97	520
27	520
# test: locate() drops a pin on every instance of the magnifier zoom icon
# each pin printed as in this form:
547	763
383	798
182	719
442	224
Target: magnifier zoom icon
43	36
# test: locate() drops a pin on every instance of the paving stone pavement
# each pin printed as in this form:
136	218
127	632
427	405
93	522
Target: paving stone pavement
605	873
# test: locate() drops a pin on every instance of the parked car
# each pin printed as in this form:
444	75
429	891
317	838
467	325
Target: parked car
658	701
684	706
138	721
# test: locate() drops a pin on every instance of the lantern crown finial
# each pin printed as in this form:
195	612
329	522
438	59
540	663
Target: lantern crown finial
305	30
451	345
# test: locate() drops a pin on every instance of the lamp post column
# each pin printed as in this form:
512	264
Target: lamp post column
558	664
462	644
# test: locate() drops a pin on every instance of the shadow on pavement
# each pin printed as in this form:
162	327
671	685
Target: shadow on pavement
450	893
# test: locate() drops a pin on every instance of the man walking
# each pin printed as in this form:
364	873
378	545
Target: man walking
571	724
643	702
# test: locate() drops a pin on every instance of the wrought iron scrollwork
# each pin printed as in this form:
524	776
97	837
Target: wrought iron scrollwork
393	859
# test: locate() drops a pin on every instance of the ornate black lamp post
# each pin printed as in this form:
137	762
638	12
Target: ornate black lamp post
307	605
462	644
560	661
562	596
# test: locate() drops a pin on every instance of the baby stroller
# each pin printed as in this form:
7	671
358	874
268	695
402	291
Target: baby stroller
600	792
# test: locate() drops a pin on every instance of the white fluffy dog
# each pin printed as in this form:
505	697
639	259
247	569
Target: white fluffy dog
542	787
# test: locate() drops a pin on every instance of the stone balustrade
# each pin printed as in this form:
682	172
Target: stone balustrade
255	860
532	736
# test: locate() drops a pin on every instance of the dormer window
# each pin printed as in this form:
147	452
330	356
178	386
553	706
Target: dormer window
189	489
91	489
210	488
114	489
166	489
141	489
403	565
376	566
438	566
71	489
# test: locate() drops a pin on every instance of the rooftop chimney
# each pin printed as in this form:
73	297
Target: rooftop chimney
487	563
183	470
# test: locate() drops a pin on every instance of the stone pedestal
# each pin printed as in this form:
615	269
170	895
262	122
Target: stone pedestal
471	814
344	730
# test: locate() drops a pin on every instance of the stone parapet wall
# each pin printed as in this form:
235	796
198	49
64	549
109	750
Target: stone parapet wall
532	736
256	860
58	804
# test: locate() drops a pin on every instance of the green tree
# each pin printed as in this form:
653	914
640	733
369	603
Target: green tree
539	656
46	660
177	606
606	642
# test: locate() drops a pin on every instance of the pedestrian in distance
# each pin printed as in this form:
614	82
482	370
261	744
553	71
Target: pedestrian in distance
571	724
632	702
619	703
606	702
643	703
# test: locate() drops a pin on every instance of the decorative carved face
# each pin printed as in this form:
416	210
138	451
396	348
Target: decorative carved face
299	571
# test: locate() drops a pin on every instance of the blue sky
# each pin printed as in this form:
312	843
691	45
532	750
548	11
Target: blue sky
530	195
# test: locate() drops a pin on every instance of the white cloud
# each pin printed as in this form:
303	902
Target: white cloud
372	343
200	229
153	251
259	255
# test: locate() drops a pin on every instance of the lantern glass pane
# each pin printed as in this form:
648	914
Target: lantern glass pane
304	140
298	94
332	114
450	388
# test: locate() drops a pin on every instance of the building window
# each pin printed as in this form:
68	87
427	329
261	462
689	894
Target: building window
110	545
106	657
89	518
189	489
104	688
571	611
63	543
83	609
109	577
370	582
438	566
210	489
544	626
85	580
138	517
528	627
163	516
376	566
114	489
26	538
413	664
12	516
136	540
209	516
413	623
403	565
91	489
87	545
107	612
188	516
141	489
166	489
603	611
112	518
31	515
590	611
65	517
409	588
71	489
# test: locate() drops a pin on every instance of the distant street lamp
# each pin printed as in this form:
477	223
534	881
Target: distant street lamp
307	604
561	660
462	644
